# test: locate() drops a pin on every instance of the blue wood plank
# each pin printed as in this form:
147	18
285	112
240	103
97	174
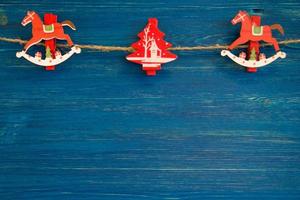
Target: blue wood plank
98	128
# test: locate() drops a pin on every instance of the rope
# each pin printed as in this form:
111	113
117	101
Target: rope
130	49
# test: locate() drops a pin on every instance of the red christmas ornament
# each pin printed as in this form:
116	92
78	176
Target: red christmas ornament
47	31
262	56
243	55
38	55
252	33
151	50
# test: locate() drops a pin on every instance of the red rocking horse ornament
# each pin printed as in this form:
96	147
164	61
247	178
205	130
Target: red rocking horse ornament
49	32
252	32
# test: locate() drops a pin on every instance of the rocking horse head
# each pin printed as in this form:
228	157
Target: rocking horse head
240	17
28	18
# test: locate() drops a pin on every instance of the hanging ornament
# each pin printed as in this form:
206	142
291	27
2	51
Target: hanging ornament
253	32
151	50
49	31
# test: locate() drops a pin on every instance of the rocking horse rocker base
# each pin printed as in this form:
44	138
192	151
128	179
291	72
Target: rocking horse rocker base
48	61
253	63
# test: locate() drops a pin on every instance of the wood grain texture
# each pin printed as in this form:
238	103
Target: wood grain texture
98	128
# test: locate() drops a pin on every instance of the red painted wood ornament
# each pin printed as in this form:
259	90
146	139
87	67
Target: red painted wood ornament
252	33
49	31
151	50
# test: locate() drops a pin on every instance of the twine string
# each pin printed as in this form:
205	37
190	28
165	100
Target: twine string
103	48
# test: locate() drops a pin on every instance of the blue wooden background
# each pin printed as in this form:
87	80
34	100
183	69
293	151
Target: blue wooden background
98	128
